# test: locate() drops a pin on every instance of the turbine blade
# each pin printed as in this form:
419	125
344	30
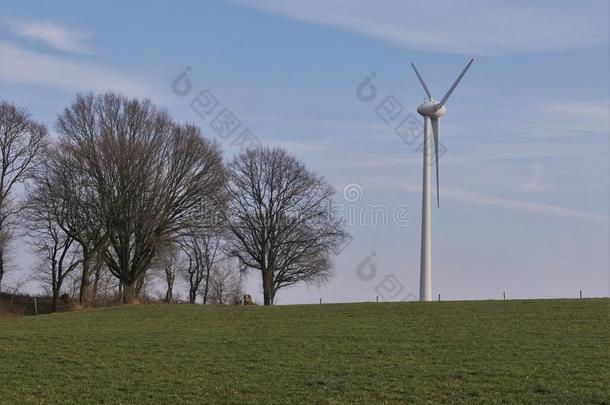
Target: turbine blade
435	131
457	81
422	82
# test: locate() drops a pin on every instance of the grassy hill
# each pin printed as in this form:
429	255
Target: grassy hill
548	351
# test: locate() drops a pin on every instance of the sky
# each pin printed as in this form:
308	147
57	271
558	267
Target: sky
524	204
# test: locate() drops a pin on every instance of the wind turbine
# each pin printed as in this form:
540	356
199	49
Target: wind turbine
432	111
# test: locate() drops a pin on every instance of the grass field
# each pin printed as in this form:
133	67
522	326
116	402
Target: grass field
548	351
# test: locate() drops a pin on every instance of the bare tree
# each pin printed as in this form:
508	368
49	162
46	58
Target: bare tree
22	141
58	259
194	272
280	219
68	191
167	266
46	230
148	174
202	249
225	283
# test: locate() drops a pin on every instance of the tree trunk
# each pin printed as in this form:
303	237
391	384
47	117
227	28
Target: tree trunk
97	273
84	282
55	298
206	288
169	294
138	286
89	253
96	281
55	286
268	292
120	291
1	267
129	293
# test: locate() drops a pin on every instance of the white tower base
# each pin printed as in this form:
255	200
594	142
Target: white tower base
425	277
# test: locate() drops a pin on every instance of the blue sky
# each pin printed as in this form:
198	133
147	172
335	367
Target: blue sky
524	180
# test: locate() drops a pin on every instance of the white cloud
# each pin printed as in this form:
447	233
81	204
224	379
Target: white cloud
22	66
54	35
477	27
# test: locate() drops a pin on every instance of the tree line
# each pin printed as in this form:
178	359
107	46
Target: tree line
124	191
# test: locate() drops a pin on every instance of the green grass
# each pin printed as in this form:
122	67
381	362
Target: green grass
549	351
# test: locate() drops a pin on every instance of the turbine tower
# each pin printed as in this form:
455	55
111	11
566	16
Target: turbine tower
432	111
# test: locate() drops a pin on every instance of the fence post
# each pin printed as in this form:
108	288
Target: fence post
35	307
439	297
580	294
504	295
377	299
320	300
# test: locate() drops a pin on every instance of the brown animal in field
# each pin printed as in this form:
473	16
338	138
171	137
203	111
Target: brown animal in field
248	300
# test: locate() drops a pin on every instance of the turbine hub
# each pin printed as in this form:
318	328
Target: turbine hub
430	109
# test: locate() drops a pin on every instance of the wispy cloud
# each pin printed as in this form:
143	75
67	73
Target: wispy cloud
583	115
476	27
23	66
514	205
535	183
54	35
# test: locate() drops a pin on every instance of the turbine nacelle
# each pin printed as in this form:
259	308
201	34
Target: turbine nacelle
431	109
